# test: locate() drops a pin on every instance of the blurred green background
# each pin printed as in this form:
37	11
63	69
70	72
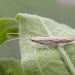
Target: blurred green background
54	9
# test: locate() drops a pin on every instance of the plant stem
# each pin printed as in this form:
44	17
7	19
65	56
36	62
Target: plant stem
66	59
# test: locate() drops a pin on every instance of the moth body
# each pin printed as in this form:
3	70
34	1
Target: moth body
48	40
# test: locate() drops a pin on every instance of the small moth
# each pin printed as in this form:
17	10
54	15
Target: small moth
49	40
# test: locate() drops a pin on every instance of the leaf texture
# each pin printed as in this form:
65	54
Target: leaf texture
10	67
38	59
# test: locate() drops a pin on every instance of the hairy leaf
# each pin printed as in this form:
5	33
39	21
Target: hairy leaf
7	25
45	60
10	67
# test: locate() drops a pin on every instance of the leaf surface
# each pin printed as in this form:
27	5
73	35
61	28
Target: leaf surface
46	60
10	67
7	25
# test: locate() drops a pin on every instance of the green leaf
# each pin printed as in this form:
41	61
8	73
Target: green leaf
7	25
47	60
10	67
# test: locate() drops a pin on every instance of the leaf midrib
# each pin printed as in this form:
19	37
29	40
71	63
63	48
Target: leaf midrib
67	61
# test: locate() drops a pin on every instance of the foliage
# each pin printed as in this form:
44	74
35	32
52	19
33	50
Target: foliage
35	60
10	67
7	25
38	61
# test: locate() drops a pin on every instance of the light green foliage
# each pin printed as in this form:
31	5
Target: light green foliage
7	25
10	67
43	61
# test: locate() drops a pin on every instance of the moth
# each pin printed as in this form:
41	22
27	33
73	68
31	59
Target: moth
49	40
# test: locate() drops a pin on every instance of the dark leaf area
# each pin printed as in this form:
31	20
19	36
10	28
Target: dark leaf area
7	25
10	67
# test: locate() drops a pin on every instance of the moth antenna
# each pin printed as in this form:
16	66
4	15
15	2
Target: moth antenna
16	38
15	34
12	40
12	33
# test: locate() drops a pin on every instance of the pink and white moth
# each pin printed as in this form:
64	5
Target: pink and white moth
49	40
